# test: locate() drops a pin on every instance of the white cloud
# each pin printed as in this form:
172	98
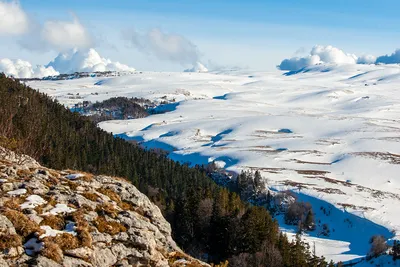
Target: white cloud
164	46
73	61
394	58
13	20
85	61
366	59
24	69
319	55
197	67
64	35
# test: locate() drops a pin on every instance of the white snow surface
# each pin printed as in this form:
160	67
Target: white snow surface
334	130
69	229
60	208
74	176
17	192
33	201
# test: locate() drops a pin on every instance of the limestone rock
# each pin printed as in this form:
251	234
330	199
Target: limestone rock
81	215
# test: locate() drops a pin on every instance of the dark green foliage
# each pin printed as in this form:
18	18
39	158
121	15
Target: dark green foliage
396	250
205	218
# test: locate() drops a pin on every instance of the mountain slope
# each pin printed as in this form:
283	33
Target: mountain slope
70	218
207	221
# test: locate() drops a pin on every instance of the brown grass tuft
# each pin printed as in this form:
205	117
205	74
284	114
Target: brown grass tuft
9	241
72	185
52	251
52	201
91	196
22	224
111	194
125	206
14	203
107	209
78	217
64	241
85	239
23	173
54	222
109	227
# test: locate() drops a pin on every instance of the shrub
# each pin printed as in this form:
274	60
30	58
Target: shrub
378	245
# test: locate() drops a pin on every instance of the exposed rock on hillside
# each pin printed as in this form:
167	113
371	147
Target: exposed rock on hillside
69	218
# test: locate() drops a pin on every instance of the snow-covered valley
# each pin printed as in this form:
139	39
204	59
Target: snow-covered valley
329	133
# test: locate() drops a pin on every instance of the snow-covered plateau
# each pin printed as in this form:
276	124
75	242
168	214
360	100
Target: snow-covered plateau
329	133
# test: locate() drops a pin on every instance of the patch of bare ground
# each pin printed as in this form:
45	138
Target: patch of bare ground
329	190
327	142
297	184
351	206
311	162
386	156
312	172
270	170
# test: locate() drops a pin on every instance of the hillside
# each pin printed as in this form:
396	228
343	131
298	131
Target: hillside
208	221
71	218
329	133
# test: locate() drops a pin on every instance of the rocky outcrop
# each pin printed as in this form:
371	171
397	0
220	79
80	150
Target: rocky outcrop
71	218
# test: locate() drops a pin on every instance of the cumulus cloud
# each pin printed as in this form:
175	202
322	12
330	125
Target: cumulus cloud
65	63
23	69
319	55
64	35
198	67
13	20
164	46
394	58
85	61
366	59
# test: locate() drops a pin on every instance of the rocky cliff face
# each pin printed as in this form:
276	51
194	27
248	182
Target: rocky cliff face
70	218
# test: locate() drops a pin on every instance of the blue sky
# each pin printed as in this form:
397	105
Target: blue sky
256	34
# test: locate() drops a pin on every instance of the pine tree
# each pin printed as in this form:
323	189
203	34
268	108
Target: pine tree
310	221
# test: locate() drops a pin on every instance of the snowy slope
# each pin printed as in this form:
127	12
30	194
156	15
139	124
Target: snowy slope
332	131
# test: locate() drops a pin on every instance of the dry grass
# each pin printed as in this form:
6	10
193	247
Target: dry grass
64	241
23	173
78	218
9	241
51	201
22	224
111	194
52	251
85	239
107	209
82	229
73	186
54	222
53	173
91	196
125	205
173	257
109	227
14	203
